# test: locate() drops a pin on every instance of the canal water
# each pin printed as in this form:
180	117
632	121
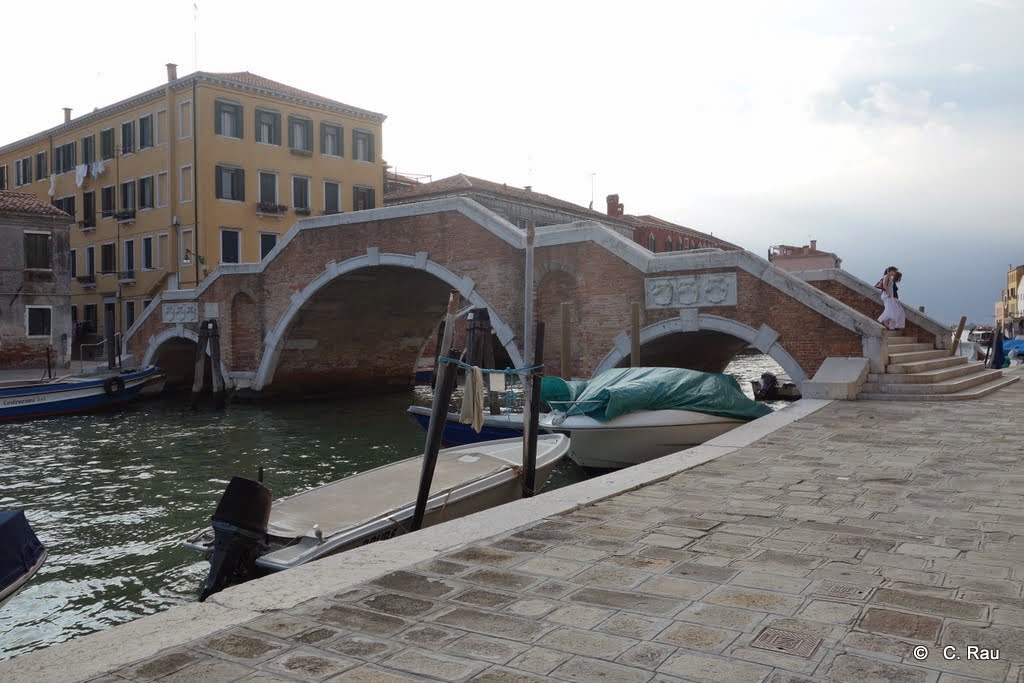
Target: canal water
111	496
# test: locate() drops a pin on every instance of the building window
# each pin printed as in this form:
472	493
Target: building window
230	246
362	145
185	245
129	256
332	197
230	183
146	303
22	171
107	258
161	189
300	192
300	134
330	140
127	137
90	260
146	131
228	119
37	250
268	127
161	127
147	253
268	187
107	144
88	149
41	171
185	119
161	249
185	184
64	157
37	321
128	195
90	318
362	198
652	243
268	240
73	260
66	204
129	314
3	177
146	192
107	203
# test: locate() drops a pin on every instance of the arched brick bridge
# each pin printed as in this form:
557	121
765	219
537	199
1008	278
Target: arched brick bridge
347	301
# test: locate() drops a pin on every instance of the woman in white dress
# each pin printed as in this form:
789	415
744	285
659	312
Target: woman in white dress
892	316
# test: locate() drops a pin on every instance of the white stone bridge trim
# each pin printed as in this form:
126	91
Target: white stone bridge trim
763	339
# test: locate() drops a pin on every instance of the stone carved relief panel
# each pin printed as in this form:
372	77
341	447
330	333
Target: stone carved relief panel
691	291
181	313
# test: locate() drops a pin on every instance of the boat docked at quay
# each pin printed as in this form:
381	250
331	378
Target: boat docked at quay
252	536
77	393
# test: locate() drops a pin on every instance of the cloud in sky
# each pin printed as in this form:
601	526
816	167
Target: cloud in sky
889	130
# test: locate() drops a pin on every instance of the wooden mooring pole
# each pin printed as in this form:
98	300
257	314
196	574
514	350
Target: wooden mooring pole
532	416
209	339
634	336
566	362
443	388
956	335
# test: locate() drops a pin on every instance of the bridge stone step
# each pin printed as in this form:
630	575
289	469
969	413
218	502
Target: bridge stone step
926	365
927	376
894	338
906	348
948	386
977	391
911	356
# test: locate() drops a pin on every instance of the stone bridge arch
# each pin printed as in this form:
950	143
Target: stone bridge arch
765	339
276	339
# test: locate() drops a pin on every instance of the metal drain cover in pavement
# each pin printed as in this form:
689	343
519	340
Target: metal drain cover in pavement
829	590
786	642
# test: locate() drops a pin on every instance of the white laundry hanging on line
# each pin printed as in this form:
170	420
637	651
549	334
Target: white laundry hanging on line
81	171
98	168
53	184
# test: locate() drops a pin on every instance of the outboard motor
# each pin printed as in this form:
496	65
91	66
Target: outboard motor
240	534
769	385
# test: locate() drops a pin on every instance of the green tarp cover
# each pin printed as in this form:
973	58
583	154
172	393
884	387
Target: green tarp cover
627	390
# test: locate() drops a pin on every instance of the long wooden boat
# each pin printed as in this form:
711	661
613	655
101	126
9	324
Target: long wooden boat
251	537
504	426
21	553
75	393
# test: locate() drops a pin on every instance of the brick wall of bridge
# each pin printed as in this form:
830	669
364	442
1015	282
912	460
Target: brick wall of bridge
871	307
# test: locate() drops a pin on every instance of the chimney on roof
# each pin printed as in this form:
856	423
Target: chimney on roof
172	72
814	245
615	209
67	114
528	188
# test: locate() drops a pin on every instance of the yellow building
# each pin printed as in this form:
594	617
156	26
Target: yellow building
209	168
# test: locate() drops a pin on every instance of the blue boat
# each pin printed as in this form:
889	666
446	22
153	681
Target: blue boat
21	553
77	393
504	426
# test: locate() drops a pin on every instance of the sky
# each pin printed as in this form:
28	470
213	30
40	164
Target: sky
891	131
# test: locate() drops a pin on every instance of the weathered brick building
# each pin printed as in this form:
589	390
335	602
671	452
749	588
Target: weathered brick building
35	282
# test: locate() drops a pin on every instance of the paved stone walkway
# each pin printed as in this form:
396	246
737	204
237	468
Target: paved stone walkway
831	550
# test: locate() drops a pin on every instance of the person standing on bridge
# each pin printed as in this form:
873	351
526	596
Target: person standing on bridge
892	316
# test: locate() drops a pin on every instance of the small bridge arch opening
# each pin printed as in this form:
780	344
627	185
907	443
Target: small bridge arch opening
174	351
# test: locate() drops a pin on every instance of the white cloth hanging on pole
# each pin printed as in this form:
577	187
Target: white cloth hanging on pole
473	400
81	171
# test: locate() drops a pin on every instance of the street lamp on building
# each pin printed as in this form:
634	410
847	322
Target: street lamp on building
196	259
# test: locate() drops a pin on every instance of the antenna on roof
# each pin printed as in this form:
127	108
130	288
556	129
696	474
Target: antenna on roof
195	36
592	190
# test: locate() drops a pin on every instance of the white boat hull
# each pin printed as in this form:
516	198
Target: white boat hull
382	500
637	437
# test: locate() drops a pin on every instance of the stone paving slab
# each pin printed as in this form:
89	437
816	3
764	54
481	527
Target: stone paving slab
857	544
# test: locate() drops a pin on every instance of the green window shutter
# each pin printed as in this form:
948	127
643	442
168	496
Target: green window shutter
218	172
372	155
372	201
241	120
277	129
217	128
291	135
238	185
323	138
341	143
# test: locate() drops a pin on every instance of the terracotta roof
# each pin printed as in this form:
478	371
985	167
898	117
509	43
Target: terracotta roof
464	184
257	81
654	221
27	203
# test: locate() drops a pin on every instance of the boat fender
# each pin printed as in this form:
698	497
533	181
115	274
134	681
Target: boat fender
240	534
113	386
